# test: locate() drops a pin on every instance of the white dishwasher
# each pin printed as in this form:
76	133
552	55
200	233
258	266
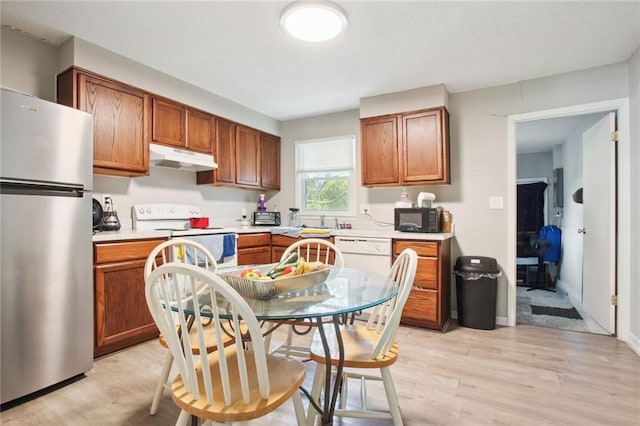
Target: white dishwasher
369	254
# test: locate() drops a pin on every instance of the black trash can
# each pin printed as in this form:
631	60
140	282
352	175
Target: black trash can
477	291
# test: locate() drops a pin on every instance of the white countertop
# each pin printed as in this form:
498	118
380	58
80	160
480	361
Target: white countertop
132	234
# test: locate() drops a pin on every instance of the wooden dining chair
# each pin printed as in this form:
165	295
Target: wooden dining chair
313	250
188	252
230	384
367	347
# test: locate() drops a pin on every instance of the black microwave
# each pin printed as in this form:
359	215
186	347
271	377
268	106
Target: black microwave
265	219
418	220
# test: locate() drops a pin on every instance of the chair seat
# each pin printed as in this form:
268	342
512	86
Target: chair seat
285	376
209	337
358	342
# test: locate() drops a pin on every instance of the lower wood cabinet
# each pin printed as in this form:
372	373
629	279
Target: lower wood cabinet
254	249
428	305
279	244
122	318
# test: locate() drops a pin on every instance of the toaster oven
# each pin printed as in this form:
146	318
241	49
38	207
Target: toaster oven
265	219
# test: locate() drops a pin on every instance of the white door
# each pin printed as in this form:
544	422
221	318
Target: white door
599	208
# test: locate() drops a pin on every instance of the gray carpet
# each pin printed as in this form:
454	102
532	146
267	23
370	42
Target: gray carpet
548	309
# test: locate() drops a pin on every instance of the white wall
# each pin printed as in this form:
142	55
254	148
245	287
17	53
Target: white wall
27	64
634	232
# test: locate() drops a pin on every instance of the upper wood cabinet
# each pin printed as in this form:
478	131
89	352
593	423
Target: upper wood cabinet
247	158
120	120
410	148
127	119
177	125
224	152
270	162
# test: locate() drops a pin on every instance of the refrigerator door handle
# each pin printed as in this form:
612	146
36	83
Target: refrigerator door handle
25	187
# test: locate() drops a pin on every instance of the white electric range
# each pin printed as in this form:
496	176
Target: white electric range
175	219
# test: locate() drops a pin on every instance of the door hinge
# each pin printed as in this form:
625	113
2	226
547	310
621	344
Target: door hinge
614	300
614	136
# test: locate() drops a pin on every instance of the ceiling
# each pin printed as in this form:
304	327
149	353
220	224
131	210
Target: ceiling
238	51
543	135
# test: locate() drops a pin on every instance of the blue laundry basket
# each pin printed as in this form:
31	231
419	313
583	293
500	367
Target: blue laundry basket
553	234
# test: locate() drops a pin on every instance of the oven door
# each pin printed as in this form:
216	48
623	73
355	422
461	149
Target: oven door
223	247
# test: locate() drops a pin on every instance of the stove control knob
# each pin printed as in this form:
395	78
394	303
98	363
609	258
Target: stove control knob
171	209
141	210
149	210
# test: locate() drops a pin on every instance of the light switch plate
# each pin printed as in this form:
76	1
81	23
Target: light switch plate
496	203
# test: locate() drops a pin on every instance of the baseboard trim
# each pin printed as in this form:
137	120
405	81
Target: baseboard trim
633	342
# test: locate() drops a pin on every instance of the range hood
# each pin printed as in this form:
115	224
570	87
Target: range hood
175	158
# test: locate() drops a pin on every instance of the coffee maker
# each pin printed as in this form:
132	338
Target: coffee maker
110	221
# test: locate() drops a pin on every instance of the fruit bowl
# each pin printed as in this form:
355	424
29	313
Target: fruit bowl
262	289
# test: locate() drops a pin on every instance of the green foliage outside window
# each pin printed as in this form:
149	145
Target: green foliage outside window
326	191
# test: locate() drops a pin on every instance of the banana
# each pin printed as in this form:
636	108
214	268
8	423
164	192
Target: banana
300	268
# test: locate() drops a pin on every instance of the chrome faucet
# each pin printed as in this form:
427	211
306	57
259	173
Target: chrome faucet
321	221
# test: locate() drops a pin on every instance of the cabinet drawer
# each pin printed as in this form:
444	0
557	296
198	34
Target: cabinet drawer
124	250
254	240
282	241
421	247
421	307
254	256
427	273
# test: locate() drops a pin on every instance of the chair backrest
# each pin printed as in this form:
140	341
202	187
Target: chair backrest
206	295
316	249
385	318
180	250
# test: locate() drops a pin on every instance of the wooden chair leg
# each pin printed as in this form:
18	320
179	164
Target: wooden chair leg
164	377
392	396
316	388
299	409
183	418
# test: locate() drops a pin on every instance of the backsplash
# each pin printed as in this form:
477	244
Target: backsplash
222	205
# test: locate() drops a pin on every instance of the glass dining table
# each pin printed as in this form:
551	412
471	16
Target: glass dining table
344	291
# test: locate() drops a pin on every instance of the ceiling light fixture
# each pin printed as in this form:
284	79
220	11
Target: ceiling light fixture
313	21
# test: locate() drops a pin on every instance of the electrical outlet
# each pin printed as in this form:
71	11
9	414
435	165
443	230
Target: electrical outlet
105	197
365	209
496	203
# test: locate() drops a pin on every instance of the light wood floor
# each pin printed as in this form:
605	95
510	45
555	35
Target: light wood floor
509	376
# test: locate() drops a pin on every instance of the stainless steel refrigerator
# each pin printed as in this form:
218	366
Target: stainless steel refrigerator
46	250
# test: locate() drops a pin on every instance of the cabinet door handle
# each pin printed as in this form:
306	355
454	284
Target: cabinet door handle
582	231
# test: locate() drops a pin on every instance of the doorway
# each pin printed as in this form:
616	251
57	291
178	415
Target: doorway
563	291
620	106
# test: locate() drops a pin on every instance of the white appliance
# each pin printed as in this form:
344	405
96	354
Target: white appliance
175	219
370	254
176	158
46	290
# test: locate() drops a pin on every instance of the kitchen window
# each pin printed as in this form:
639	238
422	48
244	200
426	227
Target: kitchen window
325	176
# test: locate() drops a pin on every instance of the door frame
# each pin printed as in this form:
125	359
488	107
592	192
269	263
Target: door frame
623	239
